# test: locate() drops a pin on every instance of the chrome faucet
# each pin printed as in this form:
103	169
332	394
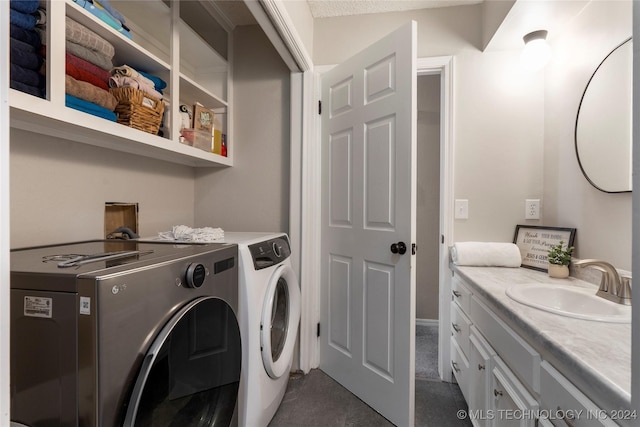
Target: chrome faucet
613	286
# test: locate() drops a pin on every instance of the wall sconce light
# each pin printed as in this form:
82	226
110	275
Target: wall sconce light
536	51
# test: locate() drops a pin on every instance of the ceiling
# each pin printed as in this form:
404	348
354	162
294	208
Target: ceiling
237	13
331	8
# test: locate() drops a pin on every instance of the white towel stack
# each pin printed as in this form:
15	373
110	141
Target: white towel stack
183	233
486	254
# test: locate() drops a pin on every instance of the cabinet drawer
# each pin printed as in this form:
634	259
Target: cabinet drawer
460	367
514	405
460	324
519	355
460	293
559	396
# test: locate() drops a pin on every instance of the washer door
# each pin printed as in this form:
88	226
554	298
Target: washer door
191	373
280	318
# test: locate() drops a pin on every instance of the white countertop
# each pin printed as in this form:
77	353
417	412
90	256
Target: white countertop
595	356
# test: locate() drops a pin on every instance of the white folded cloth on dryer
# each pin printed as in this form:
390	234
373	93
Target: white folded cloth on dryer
183	233
486	254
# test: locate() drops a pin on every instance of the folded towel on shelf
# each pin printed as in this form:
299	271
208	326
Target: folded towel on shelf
112	11
104	16
124	81
26	76
158	83
24	6
125	70
89	108
22	20
31	90
89	92
24	55
79	34
486	254
183	233
28	36
83	70
19	44
89	55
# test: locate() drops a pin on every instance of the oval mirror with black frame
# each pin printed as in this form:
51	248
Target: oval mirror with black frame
603	124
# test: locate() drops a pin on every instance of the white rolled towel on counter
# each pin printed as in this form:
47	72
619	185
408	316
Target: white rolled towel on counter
486	254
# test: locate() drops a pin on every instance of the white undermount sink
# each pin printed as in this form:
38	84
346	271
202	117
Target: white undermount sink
570	301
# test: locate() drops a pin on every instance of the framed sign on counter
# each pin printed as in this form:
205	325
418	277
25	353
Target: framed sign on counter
534	243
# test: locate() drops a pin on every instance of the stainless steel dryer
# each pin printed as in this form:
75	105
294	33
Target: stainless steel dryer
112	333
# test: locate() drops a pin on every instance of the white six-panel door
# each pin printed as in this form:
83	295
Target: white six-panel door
368	200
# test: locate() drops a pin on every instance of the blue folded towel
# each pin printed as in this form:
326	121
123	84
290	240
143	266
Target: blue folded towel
157	81
31	90
28	36
104	16
26	76
89	107
22	20
112	11
24	6
25	58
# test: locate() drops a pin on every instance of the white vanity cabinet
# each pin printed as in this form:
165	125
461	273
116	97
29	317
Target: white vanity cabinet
460	327
481	357
513	405
503	378
570	406
177	45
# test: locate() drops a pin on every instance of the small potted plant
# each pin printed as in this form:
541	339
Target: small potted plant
559	260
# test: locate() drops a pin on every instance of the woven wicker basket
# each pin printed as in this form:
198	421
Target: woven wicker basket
138	109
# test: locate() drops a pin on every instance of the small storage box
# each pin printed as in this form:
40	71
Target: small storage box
138	109
197	138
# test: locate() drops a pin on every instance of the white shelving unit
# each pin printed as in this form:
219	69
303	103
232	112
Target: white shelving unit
202	73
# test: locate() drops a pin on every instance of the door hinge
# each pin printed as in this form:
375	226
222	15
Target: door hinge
413	248
320	107
318	330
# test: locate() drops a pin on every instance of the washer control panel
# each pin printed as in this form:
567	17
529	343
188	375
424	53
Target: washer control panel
270	252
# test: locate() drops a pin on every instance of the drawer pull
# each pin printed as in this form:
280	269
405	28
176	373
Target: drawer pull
568	419
455	327
497	392
454	365
480	367
456	294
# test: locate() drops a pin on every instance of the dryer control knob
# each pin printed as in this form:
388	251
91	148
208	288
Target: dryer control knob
276	249
195	275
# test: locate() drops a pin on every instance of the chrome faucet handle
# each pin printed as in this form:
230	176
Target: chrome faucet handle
613	286
625	288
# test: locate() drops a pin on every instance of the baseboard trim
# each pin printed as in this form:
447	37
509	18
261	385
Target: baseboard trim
427	322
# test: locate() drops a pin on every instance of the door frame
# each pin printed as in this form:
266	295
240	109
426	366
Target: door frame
443	66
310	221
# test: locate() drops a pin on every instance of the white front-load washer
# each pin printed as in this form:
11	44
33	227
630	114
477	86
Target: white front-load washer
268	315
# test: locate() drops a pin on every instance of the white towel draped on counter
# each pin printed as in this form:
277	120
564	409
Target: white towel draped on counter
486	254
183	233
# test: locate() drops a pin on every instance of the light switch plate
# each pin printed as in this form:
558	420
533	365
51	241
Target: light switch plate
461	208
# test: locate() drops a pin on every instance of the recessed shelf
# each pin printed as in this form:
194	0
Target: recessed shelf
203	78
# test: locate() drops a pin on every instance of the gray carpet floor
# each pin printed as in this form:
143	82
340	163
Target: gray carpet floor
316	400
427	352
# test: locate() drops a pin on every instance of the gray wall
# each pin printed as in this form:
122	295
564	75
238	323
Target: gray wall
498	111
59	188
603	221
428	195
512	130
253	195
